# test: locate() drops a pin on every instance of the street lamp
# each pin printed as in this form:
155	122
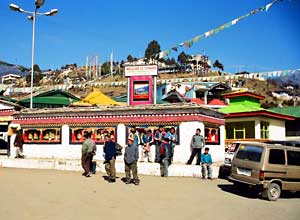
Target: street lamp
32	16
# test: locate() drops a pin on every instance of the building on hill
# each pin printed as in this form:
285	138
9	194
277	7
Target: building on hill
246	120
204	93
292	128
50	99
200	64
10	78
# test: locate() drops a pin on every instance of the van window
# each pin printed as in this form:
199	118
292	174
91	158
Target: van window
276	156
252	153
293	158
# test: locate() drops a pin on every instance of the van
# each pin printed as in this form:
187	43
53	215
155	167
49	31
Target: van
267	168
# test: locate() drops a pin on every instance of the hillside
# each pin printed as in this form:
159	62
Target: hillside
7	68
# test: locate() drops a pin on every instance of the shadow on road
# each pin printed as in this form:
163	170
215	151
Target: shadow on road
252	194
240	191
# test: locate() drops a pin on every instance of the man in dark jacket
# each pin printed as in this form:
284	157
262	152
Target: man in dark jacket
165	157
130	158
110	152
18	143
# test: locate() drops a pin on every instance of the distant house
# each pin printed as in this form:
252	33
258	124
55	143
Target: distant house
205	93
292	128
50	99
246	120
10	78
199	63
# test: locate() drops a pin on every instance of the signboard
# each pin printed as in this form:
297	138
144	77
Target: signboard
149	70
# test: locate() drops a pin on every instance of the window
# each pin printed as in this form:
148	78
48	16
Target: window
293	158
212	135
98	134
141	91
42	135
240	130
264	129
252	153
276	157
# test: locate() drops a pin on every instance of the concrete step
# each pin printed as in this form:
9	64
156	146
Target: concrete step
75	165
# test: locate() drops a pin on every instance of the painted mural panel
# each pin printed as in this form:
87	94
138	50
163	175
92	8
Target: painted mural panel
98	134
212	135
42	135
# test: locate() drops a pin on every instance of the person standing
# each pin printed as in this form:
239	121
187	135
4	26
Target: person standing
110	154
206	163
197	144
147	141
91	153
18	143
130	159
165	157
173	140
86	150
158	139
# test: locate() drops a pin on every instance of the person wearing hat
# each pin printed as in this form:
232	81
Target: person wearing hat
131	157
18	143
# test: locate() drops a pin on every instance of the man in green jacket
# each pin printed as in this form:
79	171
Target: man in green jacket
86	154
197	144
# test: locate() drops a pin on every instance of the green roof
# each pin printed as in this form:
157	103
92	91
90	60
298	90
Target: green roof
238	108
49	100
290	110
6	98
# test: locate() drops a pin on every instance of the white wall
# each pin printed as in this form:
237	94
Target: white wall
276	128
73	151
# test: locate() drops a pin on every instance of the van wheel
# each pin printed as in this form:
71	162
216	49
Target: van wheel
272	192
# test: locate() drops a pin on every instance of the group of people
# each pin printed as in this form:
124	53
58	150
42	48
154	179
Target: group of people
164	142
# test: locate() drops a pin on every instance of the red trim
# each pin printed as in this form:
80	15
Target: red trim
120	119
260	113
7	112
239	94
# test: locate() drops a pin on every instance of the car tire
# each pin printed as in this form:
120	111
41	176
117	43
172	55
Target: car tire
273	192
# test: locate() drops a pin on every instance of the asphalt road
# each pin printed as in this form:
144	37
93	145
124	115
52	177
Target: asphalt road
48	194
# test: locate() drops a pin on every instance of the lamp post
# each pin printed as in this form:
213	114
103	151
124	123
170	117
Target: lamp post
32	15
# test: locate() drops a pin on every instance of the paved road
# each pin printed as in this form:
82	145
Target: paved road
49	194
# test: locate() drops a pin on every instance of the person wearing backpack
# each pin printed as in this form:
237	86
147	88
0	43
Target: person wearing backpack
197	144
165	157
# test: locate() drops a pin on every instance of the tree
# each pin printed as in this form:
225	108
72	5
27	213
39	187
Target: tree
153	48
105	68
219	65
36	78
183	58
130	58
171	61
36	68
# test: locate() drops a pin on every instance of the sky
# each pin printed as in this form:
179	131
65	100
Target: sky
266	41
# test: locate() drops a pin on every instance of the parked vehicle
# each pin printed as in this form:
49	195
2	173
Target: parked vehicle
225	169
286	143
267	168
